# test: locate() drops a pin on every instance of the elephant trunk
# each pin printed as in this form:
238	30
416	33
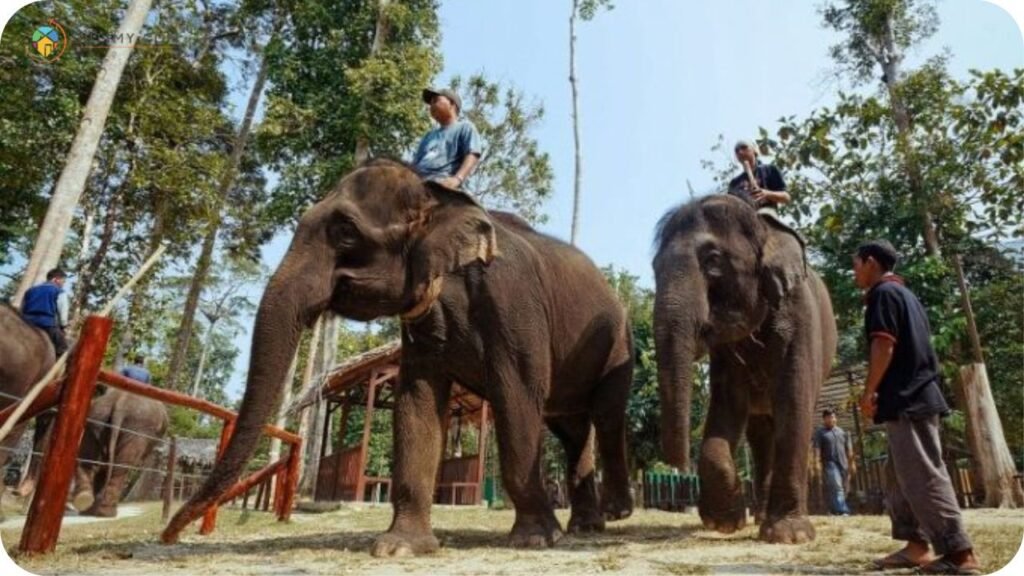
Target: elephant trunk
298	292
678	344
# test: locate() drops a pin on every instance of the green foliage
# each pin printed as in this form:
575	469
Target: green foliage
870	28
513	174
587	9
327	93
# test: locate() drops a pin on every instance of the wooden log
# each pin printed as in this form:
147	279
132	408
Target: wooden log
266	494
291	483
168	490
210	517
364	445
42	526
259	497
179	399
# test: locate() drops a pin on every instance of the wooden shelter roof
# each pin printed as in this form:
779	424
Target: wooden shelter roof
385	359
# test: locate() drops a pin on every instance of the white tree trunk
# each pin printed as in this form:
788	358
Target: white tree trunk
577	145
202	359
987	440
71	182
307	381
379	38
274	453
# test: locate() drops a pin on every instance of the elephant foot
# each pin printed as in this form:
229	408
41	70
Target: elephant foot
787	530
587	520
83	501
537	532
398	543
725	521
101	511
617	507
26	488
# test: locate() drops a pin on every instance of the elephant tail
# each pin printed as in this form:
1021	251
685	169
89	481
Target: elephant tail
116	420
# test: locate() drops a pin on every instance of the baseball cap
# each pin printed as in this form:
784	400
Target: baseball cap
429	93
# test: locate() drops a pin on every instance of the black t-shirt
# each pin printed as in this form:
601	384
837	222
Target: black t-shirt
768	178
911	383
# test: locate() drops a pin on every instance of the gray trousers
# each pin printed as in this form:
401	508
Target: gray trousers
922	502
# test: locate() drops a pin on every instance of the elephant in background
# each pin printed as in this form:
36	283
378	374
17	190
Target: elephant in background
734	284
121	431
525	321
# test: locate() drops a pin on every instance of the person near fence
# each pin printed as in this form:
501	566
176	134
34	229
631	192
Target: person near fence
902	392
834	454
137	370
45	306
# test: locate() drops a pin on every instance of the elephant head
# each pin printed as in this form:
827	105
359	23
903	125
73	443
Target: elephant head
379	244
719	269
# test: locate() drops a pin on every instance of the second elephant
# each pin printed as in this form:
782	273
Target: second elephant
734	284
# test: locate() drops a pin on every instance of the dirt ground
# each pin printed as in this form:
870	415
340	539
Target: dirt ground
473	542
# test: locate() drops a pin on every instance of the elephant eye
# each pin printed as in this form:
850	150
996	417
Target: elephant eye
712	262
343	233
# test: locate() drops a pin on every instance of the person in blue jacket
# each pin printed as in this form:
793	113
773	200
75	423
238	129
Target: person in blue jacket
45	306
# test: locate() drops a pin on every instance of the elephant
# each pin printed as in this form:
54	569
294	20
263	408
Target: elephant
134	425
523	320
734	284
26	354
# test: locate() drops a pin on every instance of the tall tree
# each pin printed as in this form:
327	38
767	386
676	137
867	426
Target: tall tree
224	186
71	183
877	33
585	10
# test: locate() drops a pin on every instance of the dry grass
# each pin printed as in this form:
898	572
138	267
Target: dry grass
473	542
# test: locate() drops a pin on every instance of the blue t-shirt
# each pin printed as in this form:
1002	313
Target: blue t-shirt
442	150
39	305
136	373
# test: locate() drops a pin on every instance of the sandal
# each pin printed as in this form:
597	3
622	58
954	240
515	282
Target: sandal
945	566
895	561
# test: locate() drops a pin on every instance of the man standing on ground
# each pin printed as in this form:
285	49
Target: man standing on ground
834	453
137	370
902	391
449	153
767	190
45	306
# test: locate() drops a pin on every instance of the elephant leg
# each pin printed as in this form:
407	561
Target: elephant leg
574	433
519	428
609	414
82	498
420	406
786	518
721	502
760	438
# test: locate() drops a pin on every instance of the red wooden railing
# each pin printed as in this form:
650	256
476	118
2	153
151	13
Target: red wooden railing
74	394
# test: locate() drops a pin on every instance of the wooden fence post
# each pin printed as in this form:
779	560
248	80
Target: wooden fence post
168	491
42	526
291	482
210	518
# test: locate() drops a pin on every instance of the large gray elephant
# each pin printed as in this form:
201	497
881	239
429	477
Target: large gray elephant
521	319
735	284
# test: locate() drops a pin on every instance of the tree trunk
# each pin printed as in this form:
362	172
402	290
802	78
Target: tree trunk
317	415
180	351
380	37
202	358
71	183
987	440
307	381
274	453
577	145
984	429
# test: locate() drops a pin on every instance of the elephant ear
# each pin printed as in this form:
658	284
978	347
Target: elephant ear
454	231
783	260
